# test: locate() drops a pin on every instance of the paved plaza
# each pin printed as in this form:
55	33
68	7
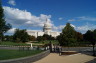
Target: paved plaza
85	56
75	58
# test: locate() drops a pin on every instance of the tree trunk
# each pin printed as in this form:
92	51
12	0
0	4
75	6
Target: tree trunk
93	50
1	37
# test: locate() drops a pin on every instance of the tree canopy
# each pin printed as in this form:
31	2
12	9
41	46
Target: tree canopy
68	36
20	36
91	37
4	27
45	37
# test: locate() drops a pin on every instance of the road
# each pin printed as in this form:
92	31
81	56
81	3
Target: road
79	49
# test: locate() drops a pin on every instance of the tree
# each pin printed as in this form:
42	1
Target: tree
39	38
32	38
94	42
4	27
60	39
68	36
91	37
20	36
8	38
79	36
48	37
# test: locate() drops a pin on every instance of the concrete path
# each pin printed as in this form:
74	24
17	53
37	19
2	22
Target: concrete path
76	58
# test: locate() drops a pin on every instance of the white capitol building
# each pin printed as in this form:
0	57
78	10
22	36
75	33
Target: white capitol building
47	29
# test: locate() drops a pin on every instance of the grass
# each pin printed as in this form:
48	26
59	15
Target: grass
11	54
45	42
14	44
24	44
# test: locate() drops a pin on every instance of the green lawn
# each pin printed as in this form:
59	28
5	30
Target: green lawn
24	44
46	42
14	44
11	54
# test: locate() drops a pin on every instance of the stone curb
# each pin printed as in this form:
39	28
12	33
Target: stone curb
28	59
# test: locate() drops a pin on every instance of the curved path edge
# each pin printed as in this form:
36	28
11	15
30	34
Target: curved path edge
28	59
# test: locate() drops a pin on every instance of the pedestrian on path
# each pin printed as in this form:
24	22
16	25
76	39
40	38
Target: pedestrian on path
59	50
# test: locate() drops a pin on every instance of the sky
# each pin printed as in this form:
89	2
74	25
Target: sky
32	14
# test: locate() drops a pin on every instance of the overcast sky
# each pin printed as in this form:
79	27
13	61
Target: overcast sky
31	14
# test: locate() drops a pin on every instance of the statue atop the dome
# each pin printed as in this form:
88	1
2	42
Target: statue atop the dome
46	19
47	26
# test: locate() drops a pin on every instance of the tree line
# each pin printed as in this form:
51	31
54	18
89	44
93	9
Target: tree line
23	36
70	37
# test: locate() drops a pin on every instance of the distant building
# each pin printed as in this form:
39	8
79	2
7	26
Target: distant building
47	29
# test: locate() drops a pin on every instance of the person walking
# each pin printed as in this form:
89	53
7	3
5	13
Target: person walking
59	50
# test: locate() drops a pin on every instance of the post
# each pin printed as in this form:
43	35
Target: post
31	46
50	46
93	50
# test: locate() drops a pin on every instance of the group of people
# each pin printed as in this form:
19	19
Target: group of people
57	49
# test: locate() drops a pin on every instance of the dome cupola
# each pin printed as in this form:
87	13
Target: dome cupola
47	26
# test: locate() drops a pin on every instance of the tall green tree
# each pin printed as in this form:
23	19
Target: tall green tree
32	38
4	27
91	37
68	36
79	36
8	38
94	42
20	36
48	37
40	38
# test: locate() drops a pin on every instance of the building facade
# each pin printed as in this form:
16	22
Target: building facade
47	29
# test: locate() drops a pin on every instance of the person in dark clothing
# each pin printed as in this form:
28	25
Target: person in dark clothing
59	50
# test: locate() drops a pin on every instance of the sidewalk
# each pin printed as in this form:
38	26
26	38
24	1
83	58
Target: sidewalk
76	58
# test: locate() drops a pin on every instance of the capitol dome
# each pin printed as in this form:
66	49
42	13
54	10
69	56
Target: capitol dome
47	26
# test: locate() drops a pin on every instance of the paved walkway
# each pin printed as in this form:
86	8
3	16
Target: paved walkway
76	58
